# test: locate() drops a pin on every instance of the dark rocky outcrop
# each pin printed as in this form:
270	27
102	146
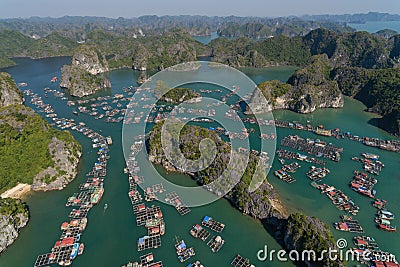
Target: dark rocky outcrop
305	91
66	156
85	75
9	92
160	52
304	233
14	215
378	89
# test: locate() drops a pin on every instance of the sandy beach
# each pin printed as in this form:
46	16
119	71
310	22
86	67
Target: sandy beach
17	191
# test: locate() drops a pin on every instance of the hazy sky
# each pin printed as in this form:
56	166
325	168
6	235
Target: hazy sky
135	8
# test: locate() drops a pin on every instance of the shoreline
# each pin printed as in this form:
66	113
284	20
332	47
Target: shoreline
17	191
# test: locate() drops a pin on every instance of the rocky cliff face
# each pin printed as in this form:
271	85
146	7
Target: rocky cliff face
309	233
9	92
64	170
13	216
85	75
306	90
38	154
160	52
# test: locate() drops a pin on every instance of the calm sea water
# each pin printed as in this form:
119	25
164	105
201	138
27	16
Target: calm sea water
205	39
111	235
374	26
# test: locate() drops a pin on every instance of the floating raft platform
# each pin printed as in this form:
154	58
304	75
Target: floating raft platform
286	154
284	176
43	260
292	167
314	147
183	210
317	174
72	232
59	255
138	208
184	253
80	213
173	199
136	179
240	261
135	196
195	264
149	242
216	243
145	261
148	260
79	199
199	232
148	214
212	224
91	183
349	225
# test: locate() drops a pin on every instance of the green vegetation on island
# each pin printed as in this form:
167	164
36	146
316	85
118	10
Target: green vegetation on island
306	90
14	214
24	146
377	89
9	92
310	234
12	207
85	74
124	49
266	28
179	95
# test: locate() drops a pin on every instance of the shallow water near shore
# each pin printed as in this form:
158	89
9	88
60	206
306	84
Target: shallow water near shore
111	235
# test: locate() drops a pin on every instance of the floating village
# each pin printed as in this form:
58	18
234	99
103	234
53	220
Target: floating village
121	108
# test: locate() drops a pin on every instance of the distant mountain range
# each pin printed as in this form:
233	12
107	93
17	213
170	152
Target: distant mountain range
355	18
196	25
48	24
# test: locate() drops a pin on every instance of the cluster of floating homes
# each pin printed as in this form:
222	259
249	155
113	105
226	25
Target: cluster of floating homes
284	173
338	198
146	260
287	154
149	217
182	251
313	147
240	261
389	145
174	199
68	247
371	163
367	252
348	224
384	217
316	174
363	184
198	231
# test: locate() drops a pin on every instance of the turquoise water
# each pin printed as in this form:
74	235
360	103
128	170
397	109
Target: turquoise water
205	39
374	26
111	235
